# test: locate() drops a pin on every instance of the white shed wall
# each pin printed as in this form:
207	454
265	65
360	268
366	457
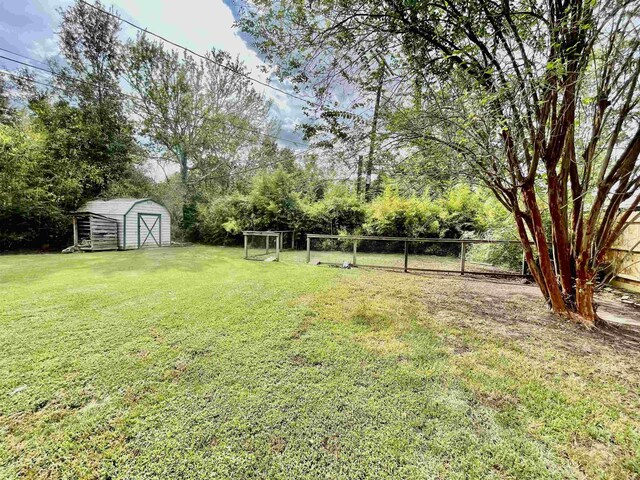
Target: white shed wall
147	206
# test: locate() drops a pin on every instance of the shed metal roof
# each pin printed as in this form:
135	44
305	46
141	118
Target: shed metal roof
116	206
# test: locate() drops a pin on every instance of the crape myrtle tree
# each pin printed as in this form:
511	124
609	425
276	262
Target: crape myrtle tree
538	99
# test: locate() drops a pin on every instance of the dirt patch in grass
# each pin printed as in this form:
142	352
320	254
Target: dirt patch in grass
278	444
515	310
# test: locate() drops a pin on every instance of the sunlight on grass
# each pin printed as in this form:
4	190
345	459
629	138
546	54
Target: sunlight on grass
177	362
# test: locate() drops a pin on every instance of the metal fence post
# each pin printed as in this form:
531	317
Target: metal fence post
308	249
355	249
463	255
266	244
524	264
277	248
406	256
246	247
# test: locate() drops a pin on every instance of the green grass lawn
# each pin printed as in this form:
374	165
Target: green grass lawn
193	363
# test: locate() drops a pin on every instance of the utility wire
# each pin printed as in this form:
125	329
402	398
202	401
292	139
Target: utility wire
23	56
137	99
204	57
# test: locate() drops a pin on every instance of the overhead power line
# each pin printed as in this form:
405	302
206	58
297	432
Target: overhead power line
136	99
204	57
23	56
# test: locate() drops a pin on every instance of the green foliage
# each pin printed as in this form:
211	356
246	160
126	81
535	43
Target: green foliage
202	113
37	185
59	151
89	42
393	215
50	162
500	226
220	220
271	204
274	203
340	210
460	211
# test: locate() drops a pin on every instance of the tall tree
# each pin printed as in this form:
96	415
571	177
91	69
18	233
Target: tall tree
91	76
203	113
542	105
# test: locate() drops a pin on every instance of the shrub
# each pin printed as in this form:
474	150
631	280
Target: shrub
392	215
339	211
462	211
221	220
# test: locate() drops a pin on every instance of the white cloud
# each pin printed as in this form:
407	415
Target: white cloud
196	24
44	49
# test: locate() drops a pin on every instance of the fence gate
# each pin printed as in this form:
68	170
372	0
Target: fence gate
149	230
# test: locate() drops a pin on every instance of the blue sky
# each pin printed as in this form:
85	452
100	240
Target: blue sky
28	27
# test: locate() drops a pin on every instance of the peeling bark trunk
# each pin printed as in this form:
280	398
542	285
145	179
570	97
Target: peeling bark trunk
529	257
585	290
561	242
548	277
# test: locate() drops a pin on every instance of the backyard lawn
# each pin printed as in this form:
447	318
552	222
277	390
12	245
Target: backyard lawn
194	363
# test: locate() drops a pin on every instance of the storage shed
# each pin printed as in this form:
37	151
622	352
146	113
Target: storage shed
121	223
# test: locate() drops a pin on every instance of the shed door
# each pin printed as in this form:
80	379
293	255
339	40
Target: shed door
149	230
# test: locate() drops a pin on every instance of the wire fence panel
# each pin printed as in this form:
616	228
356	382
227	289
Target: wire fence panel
434	256
494	258
386	253
474	256
334	251
263	246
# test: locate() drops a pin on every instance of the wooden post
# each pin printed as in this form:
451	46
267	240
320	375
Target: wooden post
355	250
406	256
293	240
308	249
523	269
266	244
75	231
246	247
278	247
463	255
